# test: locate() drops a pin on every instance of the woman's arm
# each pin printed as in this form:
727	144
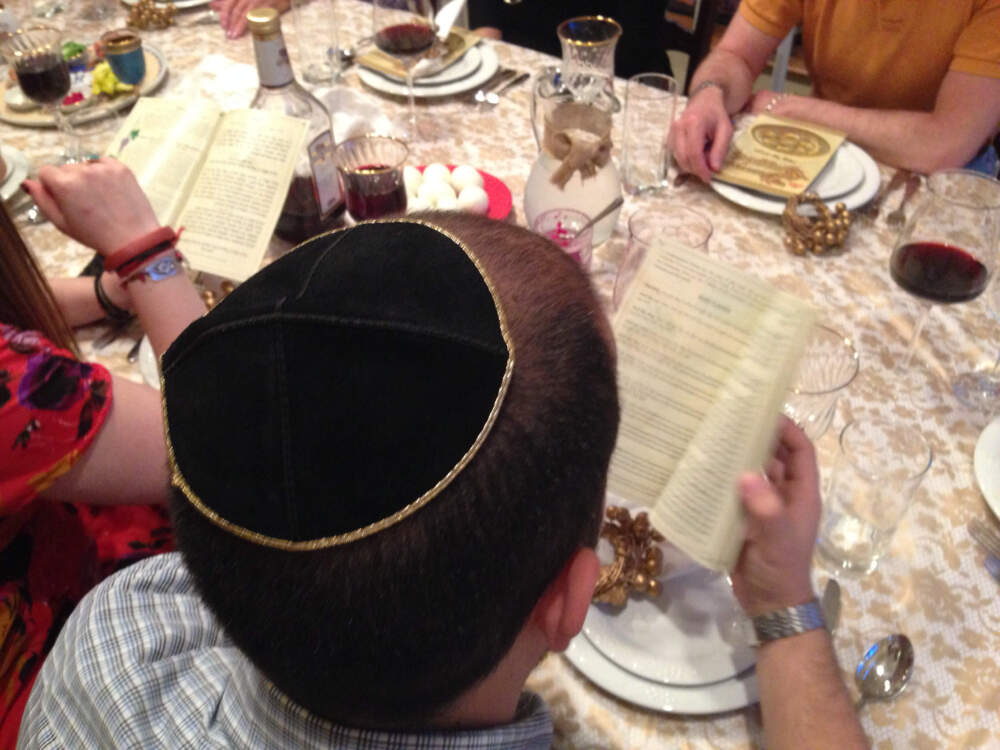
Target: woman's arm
101	205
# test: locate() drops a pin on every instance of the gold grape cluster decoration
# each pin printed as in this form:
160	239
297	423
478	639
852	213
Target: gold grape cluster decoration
817	235
147	14
211	300
637	558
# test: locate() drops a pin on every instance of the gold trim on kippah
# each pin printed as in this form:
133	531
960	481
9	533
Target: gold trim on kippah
177	477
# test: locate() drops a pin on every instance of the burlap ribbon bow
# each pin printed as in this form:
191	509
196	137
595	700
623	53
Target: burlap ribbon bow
579	136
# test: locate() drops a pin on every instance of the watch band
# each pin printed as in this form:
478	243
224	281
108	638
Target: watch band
781	623
709	84
111	310
164	267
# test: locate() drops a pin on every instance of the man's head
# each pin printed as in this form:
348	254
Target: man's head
389	628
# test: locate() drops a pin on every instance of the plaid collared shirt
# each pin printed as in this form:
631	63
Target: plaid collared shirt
142	663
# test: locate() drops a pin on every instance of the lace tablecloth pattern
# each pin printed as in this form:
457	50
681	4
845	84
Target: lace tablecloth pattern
933	587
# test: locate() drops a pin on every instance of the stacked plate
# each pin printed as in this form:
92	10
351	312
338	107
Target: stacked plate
468	72
683	652
17	171
851	177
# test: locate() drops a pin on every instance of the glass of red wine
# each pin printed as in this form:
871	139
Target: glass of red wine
405	30
35	54
946	252
371	175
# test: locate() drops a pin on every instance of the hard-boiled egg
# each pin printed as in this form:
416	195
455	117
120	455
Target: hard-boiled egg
435	192
437	172
464	175
416	203
412	179
447	203
473	199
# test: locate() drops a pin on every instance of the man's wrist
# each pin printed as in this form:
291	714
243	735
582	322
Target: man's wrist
788	621
709	84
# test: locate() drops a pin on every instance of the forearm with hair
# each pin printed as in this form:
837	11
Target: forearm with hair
730	71
920	141
803	700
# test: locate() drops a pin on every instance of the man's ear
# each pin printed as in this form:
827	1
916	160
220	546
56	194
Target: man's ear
560	613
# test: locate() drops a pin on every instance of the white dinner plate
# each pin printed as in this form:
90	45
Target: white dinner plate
986	465
769	205
717	697
489	65
17	170
691	634
148	365
462	67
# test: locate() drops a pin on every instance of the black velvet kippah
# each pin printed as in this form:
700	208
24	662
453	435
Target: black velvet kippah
338	389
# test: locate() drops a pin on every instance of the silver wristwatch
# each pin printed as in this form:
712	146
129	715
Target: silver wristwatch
782	623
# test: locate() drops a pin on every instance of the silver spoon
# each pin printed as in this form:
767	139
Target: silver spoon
604	212
885	669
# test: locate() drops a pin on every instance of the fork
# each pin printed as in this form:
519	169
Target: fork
897	217
873	208
502	75
986	535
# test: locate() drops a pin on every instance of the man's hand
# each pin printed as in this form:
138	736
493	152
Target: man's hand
700	136
98	203
782	517
233	13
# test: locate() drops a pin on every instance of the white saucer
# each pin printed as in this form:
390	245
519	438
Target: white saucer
17	101
489	64
717	697
689	635
463	67
17	171
148	365
986	465
854	199
842	174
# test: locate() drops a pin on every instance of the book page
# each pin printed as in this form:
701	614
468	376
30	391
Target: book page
237	196
705	356
163	141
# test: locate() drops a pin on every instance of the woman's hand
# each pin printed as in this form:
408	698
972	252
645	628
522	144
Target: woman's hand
98	203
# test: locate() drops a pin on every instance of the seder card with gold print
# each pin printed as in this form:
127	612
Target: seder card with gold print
778	156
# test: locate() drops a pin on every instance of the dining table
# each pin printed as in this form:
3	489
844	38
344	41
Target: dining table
932	585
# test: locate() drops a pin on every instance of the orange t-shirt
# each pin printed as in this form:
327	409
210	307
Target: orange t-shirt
886	54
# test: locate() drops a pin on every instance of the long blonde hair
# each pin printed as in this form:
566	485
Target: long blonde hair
26	300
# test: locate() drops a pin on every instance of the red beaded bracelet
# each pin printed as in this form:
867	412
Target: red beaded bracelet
127	258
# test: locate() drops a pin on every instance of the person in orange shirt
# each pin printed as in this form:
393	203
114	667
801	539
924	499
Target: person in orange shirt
917	85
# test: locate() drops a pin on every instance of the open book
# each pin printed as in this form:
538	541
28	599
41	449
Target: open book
706	354
222	176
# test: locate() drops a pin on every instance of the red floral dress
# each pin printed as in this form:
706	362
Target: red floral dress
51	553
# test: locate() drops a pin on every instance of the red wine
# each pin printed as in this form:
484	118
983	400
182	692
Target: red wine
943	273
374	190
300	218
43	78
404	38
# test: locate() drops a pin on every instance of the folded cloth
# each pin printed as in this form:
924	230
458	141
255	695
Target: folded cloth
458	43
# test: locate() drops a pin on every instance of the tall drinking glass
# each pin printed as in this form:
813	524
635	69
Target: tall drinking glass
650	100
35	54
946	253
405	31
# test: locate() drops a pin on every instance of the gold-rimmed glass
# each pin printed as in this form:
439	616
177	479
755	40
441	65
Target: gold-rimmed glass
371	175
588	51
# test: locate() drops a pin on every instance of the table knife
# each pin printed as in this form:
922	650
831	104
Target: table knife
831	604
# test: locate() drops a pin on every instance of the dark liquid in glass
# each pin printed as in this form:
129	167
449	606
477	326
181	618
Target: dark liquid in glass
369	196
43	78
939	272
300	218
404	38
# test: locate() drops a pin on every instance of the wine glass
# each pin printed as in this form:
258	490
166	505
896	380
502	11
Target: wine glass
405	30
946	252
35	54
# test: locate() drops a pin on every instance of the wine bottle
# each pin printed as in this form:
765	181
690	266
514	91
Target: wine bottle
314	203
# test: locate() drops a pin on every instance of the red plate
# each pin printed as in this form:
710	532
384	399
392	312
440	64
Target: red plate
498	193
